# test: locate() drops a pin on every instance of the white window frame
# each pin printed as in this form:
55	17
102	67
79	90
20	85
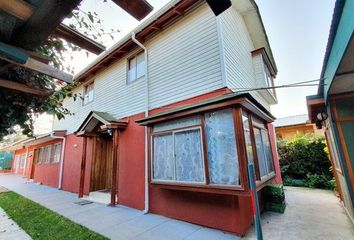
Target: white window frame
135	57
269	174
56	155
47	161
173	137
87	94
22	160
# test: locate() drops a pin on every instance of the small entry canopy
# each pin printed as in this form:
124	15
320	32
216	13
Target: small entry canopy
99	122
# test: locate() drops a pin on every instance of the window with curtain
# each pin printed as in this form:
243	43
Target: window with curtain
265	158
57	148
23	160
47	153
178	156
221	148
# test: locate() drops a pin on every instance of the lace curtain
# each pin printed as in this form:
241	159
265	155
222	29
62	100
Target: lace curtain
163	161
189	161
221	148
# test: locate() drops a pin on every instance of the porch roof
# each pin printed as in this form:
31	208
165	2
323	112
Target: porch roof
244	99
102	119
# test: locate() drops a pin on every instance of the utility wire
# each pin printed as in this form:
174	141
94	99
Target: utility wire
298	84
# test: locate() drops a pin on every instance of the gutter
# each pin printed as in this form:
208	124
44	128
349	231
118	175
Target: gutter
60	180
146	208
337	14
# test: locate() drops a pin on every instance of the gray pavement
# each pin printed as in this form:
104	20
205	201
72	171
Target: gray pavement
311	214
10	230
119	222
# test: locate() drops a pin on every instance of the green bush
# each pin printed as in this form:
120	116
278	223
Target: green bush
304	162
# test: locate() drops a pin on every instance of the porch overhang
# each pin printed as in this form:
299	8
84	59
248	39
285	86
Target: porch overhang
98	122
315	105
231	99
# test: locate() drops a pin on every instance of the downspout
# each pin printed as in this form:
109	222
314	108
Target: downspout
25	167
60	180
146	208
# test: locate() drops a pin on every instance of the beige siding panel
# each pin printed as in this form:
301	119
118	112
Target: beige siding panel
240	72
185	59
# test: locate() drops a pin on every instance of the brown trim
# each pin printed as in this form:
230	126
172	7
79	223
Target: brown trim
206	106
115	167
254	147
241	147
205	151
82	170
216	189
344	146
263	183
334	168
174	130
342	96
345	119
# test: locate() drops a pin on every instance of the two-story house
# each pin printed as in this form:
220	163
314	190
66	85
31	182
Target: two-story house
170	117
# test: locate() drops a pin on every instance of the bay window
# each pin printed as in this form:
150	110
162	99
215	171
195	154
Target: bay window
221	148
210	149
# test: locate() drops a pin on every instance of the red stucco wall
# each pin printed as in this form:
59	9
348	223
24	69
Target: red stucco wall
72	163
46	173
19	170
226	212
131	175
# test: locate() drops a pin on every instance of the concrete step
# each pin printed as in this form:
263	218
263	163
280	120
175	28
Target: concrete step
101	196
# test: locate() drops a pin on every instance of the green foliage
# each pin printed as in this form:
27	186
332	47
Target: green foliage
42	223
304	162
19	109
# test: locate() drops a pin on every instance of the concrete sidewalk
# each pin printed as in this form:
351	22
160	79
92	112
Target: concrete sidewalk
10	230
119	222
310	214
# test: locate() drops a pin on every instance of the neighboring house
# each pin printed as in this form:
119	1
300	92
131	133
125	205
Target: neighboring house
333	107
161	126
288	128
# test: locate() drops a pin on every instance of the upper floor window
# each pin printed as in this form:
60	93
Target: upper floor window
268	76
136	67
88	93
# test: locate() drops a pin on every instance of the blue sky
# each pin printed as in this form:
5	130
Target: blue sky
297	31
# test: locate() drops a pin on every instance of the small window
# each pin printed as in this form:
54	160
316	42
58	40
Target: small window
40	158
23	160
136	67
248	139
264	152
48	151
57	148
268	78
88	93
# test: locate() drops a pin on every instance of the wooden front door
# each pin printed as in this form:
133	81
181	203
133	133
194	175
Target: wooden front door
101	168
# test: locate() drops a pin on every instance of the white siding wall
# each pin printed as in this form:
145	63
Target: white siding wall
184	61
237	43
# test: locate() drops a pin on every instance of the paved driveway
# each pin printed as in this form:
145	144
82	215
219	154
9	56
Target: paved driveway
311	214
119	222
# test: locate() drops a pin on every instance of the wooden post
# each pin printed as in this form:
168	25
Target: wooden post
115	166
83	166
